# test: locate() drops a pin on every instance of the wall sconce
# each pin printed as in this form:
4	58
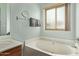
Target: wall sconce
24	14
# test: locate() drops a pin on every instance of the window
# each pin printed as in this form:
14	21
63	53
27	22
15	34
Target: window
56	18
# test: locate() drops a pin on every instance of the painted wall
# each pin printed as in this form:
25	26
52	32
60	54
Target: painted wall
3	18
60	34
20	29
77	20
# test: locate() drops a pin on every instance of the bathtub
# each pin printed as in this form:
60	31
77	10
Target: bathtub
50	47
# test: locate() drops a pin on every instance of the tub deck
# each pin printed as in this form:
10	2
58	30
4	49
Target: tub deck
32	43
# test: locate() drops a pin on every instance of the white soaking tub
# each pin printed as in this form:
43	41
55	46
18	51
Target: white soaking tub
50	47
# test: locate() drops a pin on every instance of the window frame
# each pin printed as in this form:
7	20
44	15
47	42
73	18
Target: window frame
66	17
